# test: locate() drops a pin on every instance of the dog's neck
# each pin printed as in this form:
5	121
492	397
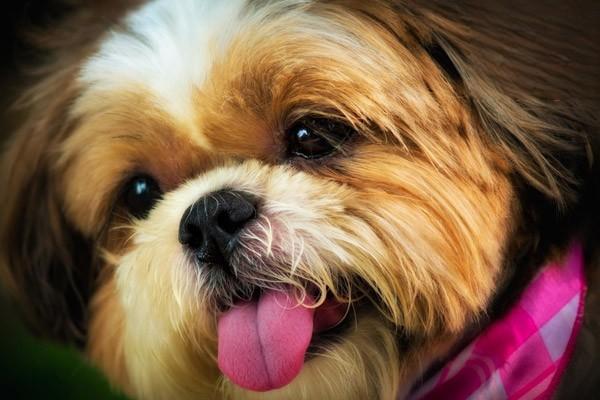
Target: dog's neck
525	350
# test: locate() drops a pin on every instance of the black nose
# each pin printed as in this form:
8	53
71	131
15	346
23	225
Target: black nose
210	226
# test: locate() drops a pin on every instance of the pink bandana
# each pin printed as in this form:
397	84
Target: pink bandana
523	354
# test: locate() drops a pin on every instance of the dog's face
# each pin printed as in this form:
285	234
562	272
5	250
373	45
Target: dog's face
216	156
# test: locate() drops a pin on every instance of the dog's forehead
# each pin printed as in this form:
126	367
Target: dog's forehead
255	64
166	48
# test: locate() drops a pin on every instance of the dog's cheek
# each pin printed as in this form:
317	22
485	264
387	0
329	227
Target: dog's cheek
435	240
151	309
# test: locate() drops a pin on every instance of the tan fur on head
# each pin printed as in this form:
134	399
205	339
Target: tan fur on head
410	222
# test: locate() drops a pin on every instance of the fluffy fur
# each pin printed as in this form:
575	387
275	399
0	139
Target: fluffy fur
427	222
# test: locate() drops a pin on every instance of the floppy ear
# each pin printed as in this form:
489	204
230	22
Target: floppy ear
532	86
47	265
44	263
531	89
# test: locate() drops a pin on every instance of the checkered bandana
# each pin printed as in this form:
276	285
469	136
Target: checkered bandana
523	354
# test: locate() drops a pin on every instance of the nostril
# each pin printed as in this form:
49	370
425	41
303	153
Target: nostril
225	222
191	235
232	221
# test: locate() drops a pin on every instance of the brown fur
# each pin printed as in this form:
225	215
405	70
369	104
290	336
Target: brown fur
429	221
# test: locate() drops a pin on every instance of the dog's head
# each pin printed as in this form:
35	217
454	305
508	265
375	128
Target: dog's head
325	193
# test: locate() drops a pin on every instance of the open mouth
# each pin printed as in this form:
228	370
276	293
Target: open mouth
263	343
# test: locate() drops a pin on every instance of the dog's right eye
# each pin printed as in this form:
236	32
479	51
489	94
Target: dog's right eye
140	195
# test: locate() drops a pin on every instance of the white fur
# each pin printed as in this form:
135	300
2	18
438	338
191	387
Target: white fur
167	46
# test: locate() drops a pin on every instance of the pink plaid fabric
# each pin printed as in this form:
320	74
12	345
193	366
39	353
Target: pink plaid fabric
523	354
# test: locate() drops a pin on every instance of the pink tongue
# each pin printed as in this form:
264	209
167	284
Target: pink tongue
262	344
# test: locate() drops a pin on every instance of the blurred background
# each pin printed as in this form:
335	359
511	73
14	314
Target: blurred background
31	368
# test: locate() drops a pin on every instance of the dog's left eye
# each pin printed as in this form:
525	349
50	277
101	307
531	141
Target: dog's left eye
140	195
316	137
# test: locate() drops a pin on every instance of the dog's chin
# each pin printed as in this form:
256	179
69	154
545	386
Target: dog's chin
170	342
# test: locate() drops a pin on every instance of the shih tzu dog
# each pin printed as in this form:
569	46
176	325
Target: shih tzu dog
300	199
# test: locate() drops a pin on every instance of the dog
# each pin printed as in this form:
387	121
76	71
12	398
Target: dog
298	199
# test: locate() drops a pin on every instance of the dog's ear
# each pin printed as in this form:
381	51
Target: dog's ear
532	86
532	90
45	264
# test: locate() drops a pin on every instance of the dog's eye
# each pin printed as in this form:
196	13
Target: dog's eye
141	193
316	137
